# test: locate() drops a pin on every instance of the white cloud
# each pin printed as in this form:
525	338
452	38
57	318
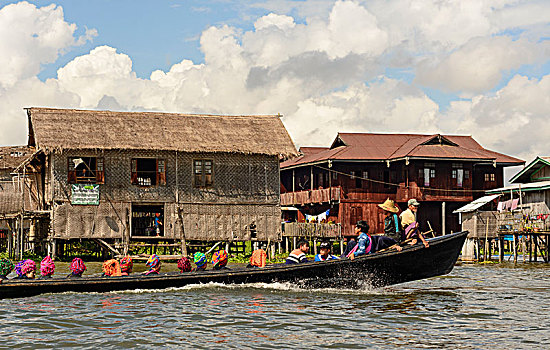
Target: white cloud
31	36
325	73
479	65
514	120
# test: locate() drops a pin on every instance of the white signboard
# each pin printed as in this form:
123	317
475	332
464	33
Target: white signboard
85	194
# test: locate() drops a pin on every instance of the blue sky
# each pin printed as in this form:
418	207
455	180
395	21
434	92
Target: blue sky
475	67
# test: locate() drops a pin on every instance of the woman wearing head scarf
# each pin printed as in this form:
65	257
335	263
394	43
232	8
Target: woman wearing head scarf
200	260
126	266
6	266
28	269
77	268
111	268
47	267
184	264
154	265
219	260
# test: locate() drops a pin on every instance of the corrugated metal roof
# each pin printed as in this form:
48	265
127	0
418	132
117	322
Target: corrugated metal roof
478	203
534	186
381	147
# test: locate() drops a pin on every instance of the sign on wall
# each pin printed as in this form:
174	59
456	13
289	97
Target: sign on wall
85	194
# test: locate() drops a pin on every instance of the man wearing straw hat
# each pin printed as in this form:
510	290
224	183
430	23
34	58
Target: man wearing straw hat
392	223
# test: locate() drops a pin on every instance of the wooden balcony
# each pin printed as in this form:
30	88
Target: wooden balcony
323	195
426	194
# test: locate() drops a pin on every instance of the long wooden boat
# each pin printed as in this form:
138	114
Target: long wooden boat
377	270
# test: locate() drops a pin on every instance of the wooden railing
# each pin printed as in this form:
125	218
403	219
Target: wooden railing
302	229
427	194
323	195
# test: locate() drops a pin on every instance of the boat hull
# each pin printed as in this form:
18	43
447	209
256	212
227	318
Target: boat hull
377	270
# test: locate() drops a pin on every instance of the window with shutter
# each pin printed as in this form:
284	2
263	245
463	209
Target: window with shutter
85	170
148	172
203	172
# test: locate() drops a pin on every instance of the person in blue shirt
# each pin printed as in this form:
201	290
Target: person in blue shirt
364	241
367	244
324	252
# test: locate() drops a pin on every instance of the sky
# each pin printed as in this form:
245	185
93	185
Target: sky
479	68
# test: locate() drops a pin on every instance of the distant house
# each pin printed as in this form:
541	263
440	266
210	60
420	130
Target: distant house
533	182
130	176
359	170
10	191
12	197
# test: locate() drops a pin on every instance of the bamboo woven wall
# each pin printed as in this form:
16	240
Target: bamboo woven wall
245	190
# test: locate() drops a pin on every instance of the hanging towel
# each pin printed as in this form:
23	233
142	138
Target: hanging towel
514	204
500	207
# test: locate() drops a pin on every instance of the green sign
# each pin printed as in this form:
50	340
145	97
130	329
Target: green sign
85	194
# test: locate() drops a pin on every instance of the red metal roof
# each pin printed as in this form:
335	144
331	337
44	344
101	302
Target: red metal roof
382	147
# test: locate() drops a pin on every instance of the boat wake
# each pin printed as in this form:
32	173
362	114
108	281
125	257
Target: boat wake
359	288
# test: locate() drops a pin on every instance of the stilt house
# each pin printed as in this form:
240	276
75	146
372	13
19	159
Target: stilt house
119	177
360	170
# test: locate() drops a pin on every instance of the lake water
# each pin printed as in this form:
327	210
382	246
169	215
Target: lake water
476	306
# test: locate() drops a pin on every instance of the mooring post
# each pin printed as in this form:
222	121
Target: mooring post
515	248
500	248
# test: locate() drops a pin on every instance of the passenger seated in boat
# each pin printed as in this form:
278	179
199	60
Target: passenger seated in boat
17	269
200	260
47	268
364	241
352	242
258	259
324	252
77	268
184	264
154	265
111	268
219	260
392	222
6	266
126	266
409	224
298	255
28	269
367	244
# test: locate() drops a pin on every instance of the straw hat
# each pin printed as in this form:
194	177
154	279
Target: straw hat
389	205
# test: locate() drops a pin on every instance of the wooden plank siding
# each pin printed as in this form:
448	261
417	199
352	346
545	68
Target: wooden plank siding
359	197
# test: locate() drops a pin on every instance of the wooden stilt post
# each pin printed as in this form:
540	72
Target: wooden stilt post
286	245
500	249
315	246
293	243
515	248
341	246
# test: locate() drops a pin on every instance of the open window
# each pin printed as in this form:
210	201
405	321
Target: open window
203	172
86	170
148	172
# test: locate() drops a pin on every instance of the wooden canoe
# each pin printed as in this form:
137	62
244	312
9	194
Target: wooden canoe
377	270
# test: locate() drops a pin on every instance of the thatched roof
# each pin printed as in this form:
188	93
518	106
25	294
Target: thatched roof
12	156
58	129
